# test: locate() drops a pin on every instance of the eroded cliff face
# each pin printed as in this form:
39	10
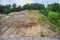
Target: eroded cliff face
24	24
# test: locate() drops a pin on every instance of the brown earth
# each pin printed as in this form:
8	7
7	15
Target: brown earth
20	24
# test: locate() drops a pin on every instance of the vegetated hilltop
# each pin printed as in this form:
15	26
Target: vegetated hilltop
25	23
36	20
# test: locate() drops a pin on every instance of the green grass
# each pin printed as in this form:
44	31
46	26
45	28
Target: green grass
55	22
42	19
53	15
30	14
53	18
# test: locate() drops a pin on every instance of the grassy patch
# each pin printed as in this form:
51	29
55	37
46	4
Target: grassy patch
53	27
42	19
53	15
42	35
30	14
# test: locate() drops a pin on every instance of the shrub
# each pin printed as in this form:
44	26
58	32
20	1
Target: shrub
55	22
53	15
44	11
54	7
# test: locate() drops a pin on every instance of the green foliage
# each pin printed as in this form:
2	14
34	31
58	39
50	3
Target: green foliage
6	9
42	19
2	8
27	6
55	21
37	6
55	26
58	23
59	16
33	6
53	15
44	11
54	7
13	8
19	8
14	5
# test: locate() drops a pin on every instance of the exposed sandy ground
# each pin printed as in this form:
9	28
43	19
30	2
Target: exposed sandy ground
20	24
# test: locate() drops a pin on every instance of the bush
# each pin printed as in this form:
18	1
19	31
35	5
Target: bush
55	22
54	7
55	26
53	15
44	11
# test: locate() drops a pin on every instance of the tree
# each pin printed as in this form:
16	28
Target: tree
2	9
7	9
27	6
44	11
37	6
54	7
19	8
34	6
13	8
